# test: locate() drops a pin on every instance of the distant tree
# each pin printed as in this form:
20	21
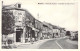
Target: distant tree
68	33
7	22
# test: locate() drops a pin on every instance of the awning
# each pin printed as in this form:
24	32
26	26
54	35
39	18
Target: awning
35	29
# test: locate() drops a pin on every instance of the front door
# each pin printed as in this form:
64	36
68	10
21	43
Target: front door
18	35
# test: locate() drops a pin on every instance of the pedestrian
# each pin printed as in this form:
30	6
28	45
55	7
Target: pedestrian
9	43
31	40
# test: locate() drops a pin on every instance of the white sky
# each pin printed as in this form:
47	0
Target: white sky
61	15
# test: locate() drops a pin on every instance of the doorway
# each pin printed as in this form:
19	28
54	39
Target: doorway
18	35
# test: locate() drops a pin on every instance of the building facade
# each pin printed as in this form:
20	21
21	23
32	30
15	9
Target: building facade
24	27
23	23
38	26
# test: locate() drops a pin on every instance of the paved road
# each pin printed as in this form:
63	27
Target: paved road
51	44
58	44
67	45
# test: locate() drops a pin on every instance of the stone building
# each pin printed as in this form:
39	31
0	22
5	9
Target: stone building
62	32
38	26
24	23
50	29
24	27
46	31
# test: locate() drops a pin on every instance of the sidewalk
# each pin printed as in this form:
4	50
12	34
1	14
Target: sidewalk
72	42
35	45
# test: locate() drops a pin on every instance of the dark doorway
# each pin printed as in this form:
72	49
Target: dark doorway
33	34
18	35
53	35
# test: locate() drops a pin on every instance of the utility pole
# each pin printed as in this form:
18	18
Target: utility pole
2	3
38	16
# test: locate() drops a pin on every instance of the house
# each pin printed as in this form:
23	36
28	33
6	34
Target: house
21	23
74	35
38	26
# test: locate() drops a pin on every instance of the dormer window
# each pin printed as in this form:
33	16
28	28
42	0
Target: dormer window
19	5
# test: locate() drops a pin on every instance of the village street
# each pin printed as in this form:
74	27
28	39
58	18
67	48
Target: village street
55	43
41	27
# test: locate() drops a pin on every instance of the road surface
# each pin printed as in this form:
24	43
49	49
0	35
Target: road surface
58	44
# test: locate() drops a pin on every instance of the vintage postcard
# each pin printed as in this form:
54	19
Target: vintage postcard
39	24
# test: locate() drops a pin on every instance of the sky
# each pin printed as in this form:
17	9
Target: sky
63	15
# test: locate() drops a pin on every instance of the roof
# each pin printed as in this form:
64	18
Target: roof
13	9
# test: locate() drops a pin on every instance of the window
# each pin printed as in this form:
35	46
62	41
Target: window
19	5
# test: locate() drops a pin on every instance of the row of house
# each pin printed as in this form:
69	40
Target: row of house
74	35
23	26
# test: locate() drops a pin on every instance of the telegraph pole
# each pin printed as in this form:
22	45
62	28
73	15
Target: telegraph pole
2	4
38	16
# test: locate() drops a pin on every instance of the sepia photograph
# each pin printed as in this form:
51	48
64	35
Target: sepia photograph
39	24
